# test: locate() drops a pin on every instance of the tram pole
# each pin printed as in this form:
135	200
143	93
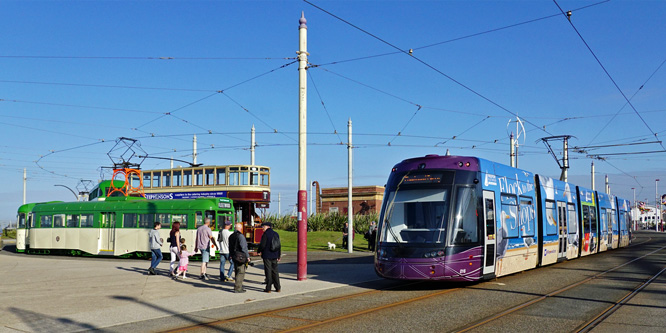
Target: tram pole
24	184
302	214
350	206
252	145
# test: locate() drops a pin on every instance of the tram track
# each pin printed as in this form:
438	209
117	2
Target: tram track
313	323
291	318
613	308
594	321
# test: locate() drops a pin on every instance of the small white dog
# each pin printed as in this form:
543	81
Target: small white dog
331	246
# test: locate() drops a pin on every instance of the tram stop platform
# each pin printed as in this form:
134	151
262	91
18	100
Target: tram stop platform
42	293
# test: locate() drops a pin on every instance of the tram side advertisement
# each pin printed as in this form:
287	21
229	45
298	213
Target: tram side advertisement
186	195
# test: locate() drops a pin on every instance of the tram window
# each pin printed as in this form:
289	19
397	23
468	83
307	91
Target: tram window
108	220
526	217
58	220
21	220
146	180
199	219
210	214
602	219
166	179
164	219
146	220
509	215
182	218
254	178
244	178
31	221
156	179
46	221
72	221
177	178
135	181
86	220
198	177
466	219
593	220
221	176
551	218
210	176
264	179
233	178
187	177
129	220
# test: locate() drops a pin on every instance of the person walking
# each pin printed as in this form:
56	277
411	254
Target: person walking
240	255
174	248
204	237
223	241
155	247
271	251
184	261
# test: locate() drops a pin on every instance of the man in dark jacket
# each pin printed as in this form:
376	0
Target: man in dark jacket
238	249
271	251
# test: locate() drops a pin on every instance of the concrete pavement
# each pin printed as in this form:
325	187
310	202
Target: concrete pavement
69	294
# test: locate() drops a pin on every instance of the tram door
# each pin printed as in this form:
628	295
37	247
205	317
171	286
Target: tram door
107	233
489	230
562	229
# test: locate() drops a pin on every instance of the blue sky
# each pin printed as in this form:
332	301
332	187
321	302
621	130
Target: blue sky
76	75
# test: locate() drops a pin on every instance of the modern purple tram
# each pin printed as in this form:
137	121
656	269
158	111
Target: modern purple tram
461	218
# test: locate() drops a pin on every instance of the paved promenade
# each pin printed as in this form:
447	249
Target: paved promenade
68	294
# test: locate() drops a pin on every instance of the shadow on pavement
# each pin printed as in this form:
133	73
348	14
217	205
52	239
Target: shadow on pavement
39	322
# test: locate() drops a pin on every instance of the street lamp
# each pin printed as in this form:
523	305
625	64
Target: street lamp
656	203
632	211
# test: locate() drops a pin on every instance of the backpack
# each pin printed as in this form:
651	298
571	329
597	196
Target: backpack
275	243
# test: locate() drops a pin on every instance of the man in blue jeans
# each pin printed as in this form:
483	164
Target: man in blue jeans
155	247
223	241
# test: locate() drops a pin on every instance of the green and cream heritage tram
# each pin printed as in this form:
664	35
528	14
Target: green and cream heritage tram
116	226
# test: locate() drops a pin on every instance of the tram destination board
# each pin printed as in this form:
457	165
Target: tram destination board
423	178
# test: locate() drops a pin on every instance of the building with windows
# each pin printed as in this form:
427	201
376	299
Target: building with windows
365	199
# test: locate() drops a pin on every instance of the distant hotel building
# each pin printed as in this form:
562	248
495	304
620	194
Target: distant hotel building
365	199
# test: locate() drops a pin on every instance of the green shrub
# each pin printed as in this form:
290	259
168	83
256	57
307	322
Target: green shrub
323	222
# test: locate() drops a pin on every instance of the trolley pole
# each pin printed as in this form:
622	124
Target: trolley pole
302	253
350	206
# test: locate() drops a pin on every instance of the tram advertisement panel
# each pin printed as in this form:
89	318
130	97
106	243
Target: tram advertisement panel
516	236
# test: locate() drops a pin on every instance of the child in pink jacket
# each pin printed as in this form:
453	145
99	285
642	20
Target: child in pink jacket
184	260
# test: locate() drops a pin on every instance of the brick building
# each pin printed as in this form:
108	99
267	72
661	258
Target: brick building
365	199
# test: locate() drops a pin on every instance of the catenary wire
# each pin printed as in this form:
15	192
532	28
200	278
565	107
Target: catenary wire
608	74
429	66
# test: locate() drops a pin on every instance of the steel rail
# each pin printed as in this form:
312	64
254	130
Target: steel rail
551	294
610	310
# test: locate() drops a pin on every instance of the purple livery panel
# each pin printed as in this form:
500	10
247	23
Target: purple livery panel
439	162
464	266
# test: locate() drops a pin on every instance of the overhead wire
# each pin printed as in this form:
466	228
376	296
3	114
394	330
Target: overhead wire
137	58
607	73
323	105
630	98
427	65
462	37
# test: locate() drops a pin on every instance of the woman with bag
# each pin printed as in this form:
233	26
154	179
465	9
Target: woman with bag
174	248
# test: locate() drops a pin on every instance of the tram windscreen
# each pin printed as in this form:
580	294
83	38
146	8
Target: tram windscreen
416	216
